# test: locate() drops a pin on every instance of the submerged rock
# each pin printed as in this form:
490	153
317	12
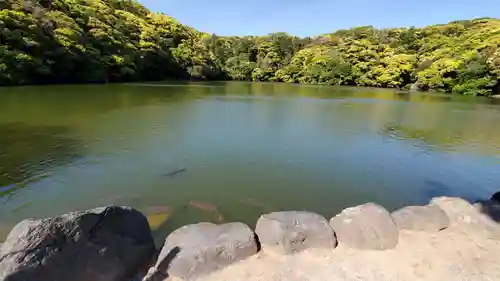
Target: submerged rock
294	231
367	226
158	215
429	218
207	207
103	244
198	249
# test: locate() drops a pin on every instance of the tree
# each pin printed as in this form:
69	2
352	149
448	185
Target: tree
74	41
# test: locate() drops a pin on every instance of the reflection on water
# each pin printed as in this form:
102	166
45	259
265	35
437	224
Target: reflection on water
29	152
427	137
231	151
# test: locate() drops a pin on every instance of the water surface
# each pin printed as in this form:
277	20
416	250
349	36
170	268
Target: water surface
246	148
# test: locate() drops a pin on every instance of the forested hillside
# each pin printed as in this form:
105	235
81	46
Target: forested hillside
77	41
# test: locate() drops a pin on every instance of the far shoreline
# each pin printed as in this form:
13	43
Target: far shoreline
207	83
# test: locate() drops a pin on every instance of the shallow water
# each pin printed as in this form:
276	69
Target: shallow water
241	148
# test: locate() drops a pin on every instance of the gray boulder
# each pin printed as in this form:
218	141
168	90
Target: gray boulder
367	226
294	231
428	218
103	244
199	249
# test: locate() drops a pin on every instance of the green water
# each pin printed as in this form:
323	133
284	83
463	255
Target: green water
246	149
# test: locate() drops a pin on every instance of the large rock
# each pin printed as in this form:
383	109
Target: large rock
103	244
293	231
463	213
367	226
429	218
198	249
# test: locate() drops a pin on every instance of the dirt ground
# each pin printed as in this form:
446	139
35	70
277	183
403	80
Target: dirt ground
464	251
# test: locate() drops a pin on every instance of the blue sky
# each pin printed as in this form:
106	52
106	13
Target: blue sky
313	17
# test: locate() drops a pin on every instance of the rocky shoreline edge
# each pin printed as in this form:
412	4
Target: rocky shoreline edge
115	243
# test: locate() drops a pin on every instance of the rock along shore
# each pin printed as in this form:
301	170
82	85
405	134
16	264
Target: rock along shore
115	244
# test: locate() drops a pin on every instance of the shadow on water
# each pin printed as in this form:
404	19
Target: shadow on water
434	189
28	152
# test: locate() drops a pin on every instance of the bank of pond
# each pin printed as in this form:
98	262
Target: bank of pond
116	244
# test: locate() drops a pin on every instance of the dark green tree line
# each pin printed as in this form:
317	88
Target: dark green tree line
74	41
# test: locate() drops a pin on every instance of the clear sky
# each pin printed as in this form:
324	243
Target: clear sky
313	17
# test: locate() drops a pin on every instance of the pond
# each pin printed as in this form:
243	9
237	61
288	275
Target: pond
231	151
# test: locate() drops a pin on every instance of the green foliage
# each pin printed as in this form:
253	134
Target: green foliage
68	41
65	41
317	65
263	74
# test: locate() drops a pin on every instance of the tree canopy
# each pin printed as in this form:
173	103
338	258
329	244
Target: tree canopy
77	41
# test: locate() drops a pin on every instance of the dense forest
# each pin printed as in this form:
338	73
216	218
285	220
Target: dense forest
77	41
